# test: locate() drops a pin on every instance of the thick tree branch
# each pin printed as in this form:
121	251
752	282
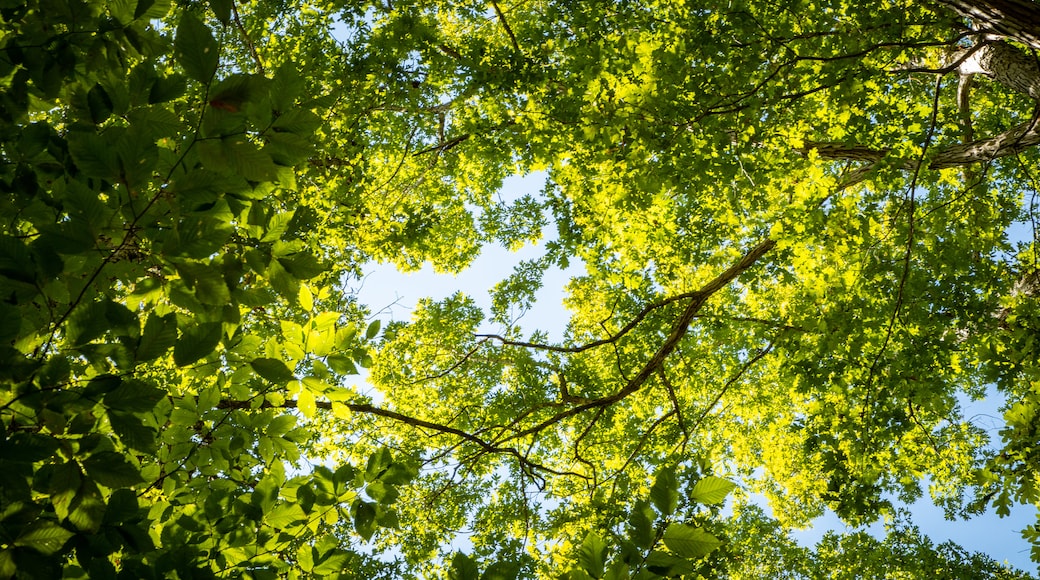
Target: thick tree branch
697	300
1008	143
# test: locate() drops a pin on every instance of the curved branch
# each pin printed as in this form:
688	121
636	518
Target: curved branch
698	299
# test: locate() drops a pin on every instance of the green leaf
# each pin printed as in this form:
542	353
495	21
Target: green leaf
372	330
288	149
618	570
282	281
284	515
383	493
122	506
159	334
305	558
166	89
196	49
665	564
343	478
711	490
665	492
196	342
592	557
87	509
463	567
208	283
28	447
201	236
222	10
334	562
160	121
641	520
132	431
121	320
134	396
286	87
64	483
307	404
152	9
276	227
99	103
303	265
364	519
273	370
7	563
246	159
44	536
299	121
93	155
378	463
690	542
399	473
501	570
111	469
342	364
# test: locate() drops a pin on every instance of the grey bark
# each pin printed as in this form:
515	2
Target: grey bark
1012	19
1006	65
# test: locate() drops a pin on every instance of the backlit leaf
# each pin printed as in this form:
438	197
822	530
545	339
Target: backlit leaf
44	536
711	490
273	370
665	492
592	555
111	469
196	342
690	542
197	50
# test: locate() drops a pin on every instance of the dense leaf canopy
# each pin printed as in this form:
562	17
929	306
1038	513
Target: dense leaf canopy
807	234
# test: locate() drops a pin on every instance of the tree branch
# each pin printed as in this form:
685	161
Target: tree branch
369	409
698	299
1008	143
505	25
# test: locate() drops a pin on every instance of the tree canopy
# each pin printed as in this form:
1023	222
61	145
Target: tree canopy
807	234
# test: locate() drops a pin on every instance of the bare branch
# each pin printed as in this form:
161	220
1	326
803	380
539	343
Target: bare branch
366	408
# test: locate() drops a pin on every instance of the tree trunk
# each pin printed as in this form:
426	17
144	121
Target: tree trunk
1013	19
1007	65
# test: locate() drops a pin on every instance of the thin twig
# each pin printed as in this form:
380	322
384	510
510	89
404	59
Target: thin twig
249	42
